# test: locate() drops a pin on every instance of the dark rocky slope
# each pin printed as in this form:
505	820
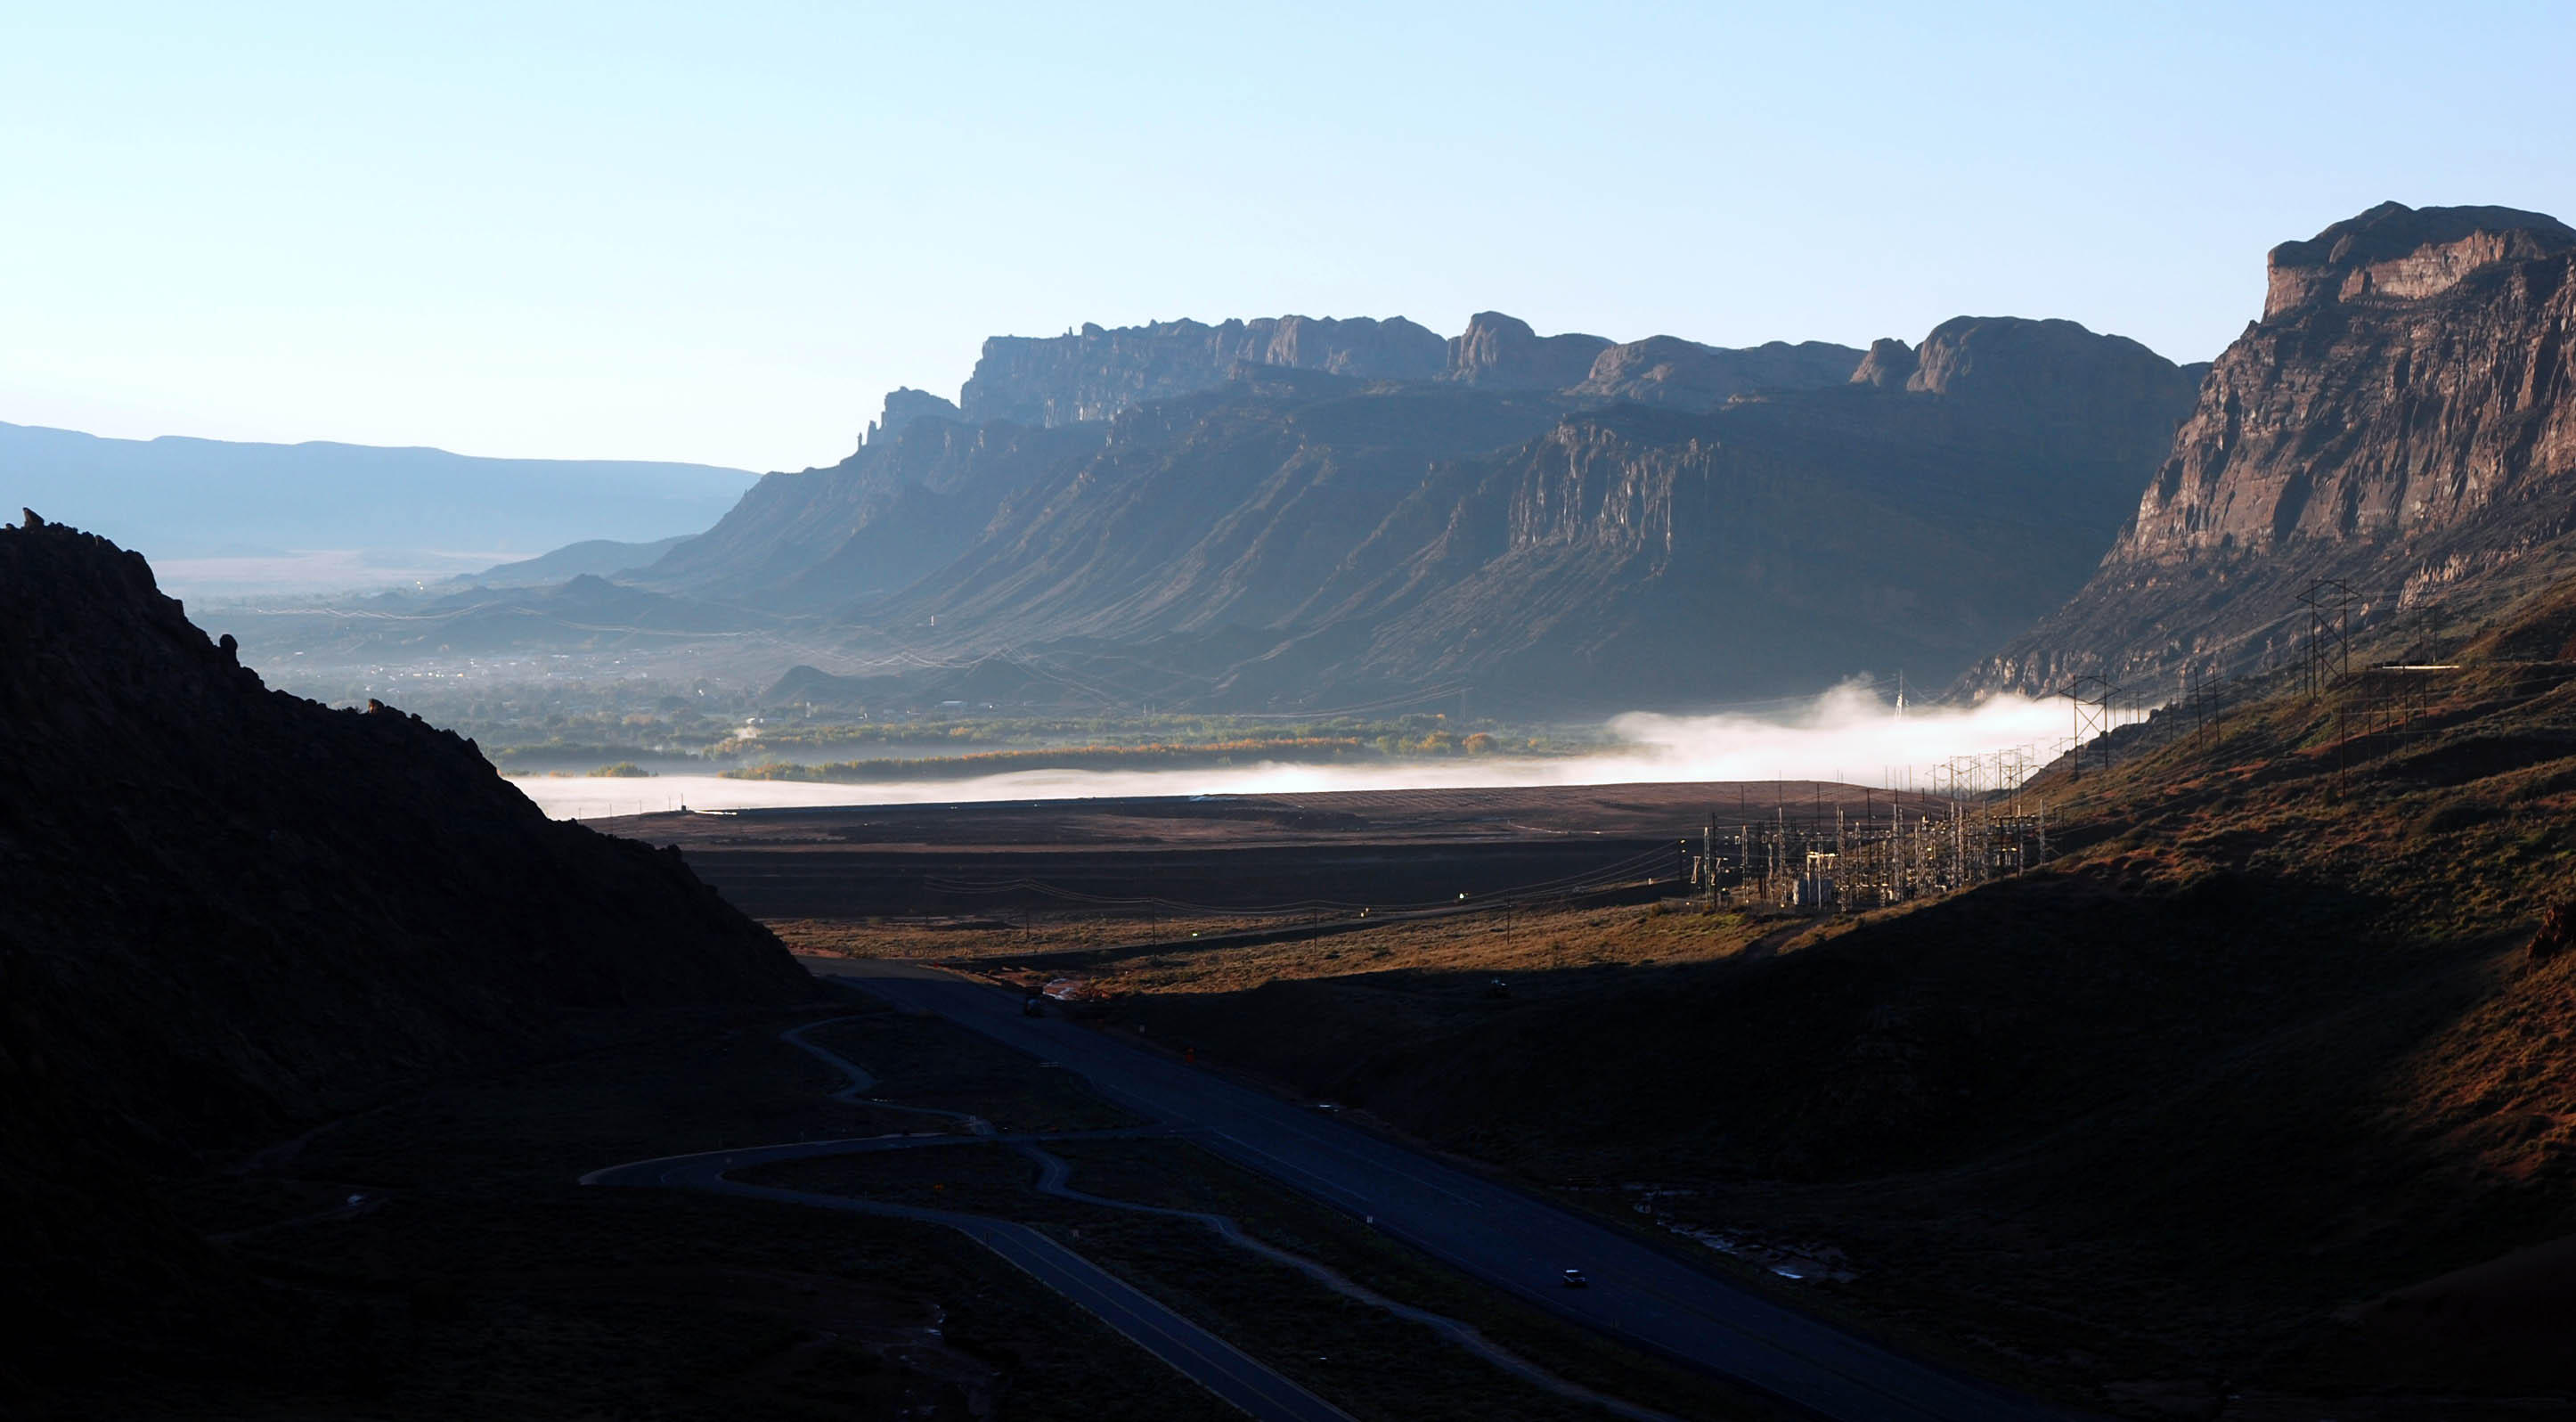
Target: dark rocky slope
2264	1090
2402	419
231	910
905	504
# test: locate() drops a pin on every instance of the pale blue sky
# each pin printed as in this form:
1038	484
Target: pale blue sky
719	233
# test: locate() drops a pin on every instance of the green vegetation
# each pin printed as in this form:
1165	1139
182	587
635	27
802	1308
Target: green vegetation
573	724
788	736
622	770
1152	757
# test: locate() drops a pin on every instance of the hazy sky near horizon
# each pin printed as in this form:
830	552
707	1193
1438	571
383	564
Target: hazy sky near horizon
721	233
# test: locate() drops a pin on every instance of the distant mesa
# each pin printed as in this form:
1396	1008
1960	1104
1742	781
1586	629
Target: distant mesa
1096	372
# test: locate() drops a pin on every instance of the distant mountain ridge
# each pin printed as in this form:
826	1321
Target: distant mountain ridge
1291	513
177	497
594	557
2401	421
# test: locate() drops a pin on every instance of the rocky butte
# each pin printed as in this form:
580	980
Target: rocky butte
2401	420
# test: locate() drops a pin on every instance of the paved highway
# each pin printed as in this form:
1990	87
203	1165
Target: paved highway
1212	1362
1489	1230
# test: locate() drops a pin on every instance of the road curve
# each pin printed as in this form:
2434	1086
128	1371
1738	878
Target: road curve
1201	1356
1498	1234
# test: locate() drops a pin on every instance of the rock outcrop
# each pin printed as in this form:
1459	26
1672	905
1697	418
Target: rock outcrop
2401	253
1502	352
2402	420
1095	373
230	910
1889	364
903	405
1667	370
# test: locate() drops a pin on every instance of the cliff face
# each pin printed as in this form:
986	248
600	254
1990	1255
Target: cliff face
1666	370
2401	420
1095	373
1227	508
1295	539
1773	546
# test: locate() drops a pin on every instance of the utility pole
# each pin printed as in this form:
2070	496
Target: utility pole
1708	856
2329	604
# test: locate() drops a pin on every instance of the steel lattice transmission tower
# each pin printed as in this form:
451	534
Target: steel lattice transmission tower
2329	604
2092	697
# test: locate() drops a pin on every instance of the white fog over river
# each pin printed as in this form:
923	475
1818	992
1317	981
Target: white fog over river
1846	734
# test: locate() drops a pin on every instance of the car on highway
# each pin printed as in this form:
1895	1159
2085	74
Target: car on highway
1034	1007
1574	1279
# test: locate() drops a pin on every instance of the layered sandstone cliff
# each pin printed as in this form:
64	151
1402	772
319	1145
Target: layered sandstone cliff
1651	557
1300	539
1094	373
2401	421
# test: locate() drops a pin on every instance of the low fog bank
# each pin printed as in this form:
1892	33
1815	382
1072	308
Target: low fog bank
1847	734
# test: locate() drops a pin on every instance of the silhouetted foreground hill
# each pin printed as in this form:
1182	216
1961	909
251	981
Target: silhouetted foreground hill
230	910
